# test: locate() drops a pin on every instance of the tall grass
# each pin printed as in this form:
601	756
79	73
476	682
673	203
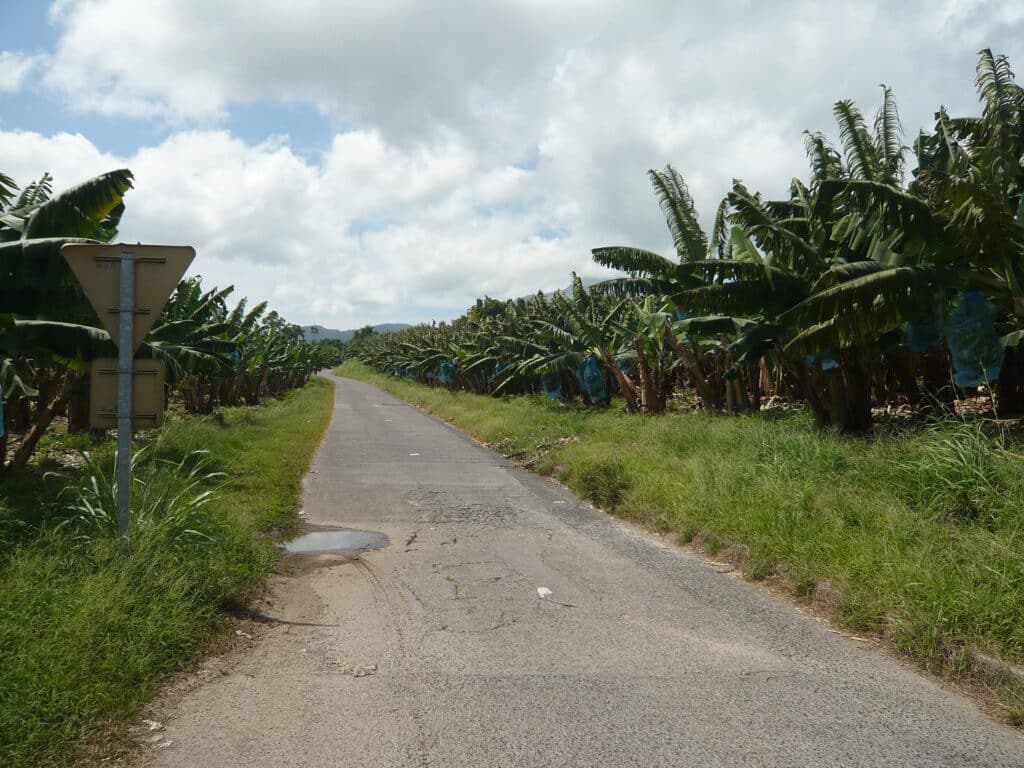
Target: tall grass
90	623
168	499
918	536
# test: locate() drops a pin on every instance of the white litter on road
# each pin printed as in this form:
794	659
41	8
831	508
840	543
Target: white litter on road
414	454
543	592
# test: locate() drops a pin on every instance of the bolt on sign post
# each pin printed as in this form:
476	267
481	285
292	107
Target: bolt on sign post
128	286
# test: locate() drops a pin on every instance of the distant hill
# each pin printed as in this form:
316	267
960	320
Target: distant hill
330	333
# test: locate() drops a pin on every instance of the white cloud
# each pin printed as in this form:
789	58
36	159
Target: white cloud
16	67
280	227
478	126
69	157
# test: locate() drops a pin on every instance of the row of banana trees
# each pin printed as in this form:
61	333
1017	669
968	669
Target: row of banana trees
215	354
221	355
856	290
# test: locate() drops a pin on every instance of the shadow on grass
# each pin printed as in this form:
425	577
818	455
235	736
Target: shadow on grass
29	501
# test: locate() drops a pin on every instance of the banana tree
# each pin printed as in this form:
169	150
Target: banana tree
47	336
54	356
644	328
791	257
958	227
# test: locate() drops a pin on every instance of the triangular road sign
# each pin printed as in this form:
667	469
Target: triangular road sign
158	269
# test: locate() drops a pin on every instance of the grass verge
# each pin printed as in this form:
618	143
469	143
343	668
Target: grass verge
918	537
90	625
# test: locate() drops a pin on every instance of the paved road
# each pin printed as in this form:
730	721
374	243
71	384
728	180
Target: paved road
438	651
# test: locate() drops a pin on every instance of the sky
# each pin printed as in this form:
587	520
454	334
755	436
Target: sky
393	160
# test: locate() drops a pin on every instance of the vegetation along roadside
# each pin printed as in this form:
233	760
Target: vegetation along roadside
89	624
913	535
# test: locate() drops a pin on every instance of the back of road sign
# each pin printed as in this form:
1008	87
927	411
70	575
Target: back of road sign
158	270
147	393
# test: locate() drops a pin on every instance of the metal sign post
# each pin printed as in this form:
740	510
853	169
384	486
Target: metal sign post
125	353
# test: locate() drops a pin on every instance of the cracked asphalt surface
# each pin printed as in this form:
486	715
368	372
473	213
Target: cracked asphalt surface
438	650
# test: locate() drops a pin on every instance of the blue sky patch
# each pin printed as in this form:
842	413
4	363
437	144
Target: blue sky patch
309	132
26	30
364	224
31	110
553	232
26	27
516	207
530	160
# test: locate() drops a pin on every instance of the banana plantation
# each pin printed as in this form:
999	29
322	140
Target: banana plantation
217	353
891	276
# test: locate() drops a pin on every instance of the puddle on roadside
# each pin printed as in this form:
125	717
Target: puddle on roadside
325	540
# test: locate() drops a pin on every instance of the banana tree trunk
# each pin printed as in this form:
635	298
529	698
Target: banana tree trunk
78	408
758	373
849	396
645	375
1011	382
652	385
938	379
741	402
694	363
44	416
626	386
815	393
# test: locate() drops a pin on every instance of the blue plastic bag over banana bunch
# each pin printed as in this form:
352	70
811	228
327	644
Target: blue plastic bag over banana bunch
552	384
828	362
591	379
495	372
973	342
447	372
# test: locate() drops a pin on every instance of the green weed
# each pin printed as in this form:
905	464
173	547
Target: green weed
604	481
169	498
956	471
